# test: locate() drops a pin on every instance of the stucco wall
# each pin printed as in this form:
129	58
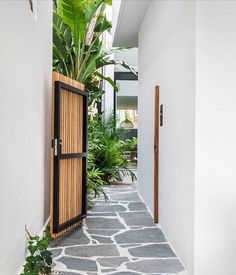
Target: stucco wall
25	95
167	59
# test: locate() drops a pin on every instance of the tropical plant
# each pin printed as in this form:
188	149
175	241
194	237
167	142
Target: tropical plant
78	50
130	144
79	53
107	150
39	260
95	177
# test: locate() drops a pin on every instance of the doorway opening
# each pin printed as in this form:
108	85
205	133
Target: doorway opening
126	112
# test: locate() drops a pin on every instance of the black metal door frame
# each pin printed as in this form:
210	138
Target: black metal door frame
58	156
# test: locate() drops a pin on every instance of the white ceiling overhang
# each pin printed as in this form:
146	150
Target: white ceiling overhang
128	16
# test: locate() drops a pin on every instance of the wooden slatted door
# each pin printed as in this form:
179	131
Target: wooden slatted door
68	154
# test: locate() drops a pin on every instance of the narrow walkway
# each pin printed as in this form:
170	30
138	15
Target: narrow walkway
118	237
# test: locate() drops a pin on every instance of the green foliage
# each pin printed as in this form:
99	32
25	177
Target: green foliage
39	260
95	180
79	53
106	150
78	50
129	144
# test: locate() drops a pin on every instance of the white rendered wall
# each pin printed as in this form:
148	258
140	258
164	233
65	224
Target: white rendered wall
127	87
167	58
115	14
108	97
215	189
108	71
25	92
129	56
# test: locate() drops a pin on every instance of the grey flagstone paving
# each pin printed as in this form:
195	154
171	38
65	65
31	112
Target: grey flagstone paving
118	237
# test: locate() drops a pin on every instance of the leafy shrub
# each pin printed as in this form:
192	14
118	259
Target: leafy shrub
95	180
130	144
39	262
106	150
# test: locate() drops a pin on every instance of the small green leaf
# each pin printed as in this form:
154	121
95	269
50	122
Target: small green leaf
32	249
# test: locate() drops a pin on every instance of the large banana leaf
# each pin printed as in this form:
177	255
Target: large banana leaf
105	61
74	21
108	79
78	14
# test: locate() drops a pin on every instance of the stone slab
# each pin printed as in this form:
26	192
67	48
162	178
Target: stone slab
92	250
102	240
102	232
102	214
75	237
138	218
108	208
103	223
137	206
112	262
126	273
152	250
55	252
147	235
130	245
79	264
129	196
156	265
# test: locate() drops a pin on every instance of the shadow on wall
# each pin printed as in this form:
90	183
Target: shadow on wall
47	146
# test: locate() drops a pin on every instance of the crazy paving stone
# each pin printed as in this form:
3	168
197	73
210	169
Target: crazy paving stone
120	190
137	218
156	265
102	202
108	208
107	270
79	264
126	273
102	214
147	235
103	223
129	196
74	237
117	186
102	232
153	250
112	262
130	245
56	252
93	250
121	235
137	206
102	240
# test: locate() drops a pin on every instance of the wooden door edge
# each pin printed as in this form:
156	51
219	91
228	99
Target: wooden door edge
156	154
